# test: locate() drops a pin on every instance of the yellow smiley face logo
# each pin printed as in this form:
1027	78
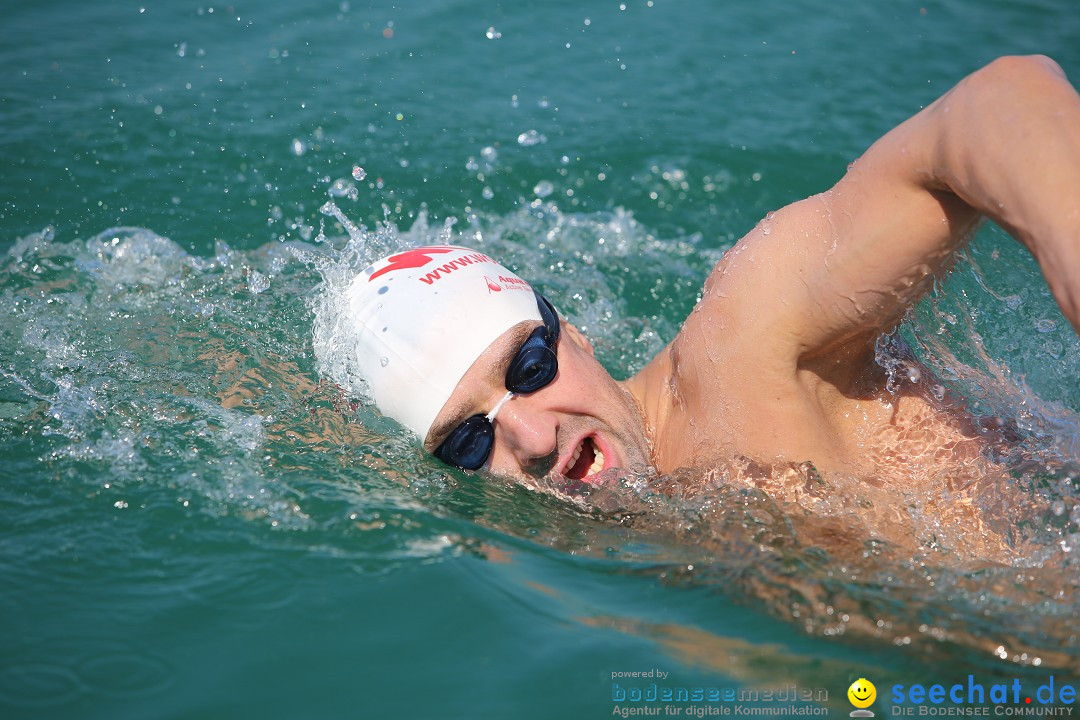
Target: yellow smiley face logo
862	693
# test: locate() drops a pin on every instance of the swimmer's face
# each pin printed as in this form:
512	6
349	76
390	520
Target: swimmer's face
582	423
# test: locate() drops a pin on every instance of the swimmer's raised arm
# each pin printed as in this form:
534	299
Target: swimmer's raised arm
845	264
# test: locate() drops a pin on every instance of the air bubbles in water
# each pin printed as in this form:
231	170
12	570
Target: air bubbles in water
489	154
543	189
384	361
488	193
1045	325
493	34
298	147
358	173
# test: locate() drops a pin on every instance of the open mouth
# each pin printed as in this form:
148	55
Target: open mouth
586	461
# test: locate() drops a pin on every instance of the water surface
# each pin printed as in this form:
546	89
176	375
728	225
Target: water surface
200	524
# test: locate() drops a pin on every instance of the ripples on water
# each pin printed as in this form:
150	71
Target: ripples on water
193	390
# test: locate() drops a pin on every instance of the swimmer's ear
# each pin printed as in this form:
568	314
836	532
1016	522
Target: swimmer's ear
577	337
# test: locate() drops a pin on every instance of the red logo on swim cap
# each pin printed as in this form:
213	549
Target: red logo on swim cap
492	286
417	257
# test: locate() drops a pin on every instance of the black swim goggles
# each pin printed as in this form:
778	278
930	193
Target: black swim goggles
468	446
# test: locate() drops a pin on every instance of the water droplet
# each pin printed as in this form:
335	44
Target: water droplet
257	282
384	361
530	138
343	188
358	173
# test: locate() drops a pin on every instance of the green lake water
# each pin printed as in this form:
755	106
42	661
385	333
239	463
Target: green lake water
196	523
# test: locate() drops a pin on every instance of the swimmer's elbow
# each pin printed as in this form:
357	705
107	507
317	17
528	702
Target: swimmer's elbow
1008	98
1020	71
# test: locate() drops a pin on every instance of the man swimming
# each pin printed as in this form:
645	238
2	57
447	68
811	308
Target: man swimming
776	363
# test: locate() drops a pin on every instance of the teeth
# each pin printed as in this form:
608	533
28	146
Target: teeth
598	463
577	454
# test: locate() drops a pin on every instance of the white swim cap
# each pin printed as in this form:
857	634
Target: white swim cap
422	318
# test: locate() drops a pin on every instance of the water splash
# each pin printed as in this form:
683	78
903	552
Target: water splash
129	359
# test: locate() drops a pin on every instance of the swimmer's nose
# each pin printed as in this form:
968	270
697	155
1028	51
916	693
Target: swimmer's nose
526	431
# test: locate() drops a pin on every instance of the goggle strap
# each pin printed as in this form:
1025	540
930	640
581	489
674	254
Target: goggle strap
498	406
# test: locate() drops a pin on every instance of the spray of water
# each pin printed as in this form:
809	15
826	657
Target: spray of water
224	385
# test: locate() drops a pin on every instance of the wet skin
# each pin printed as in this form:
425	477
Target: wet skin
776	362
580	424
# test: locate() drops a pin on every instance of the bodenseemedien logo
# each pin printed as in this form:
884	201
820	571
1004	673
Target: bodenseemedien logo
862	694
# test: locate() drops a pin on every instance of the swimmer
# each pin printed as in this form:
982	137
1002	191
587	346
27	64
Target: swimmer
776	363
